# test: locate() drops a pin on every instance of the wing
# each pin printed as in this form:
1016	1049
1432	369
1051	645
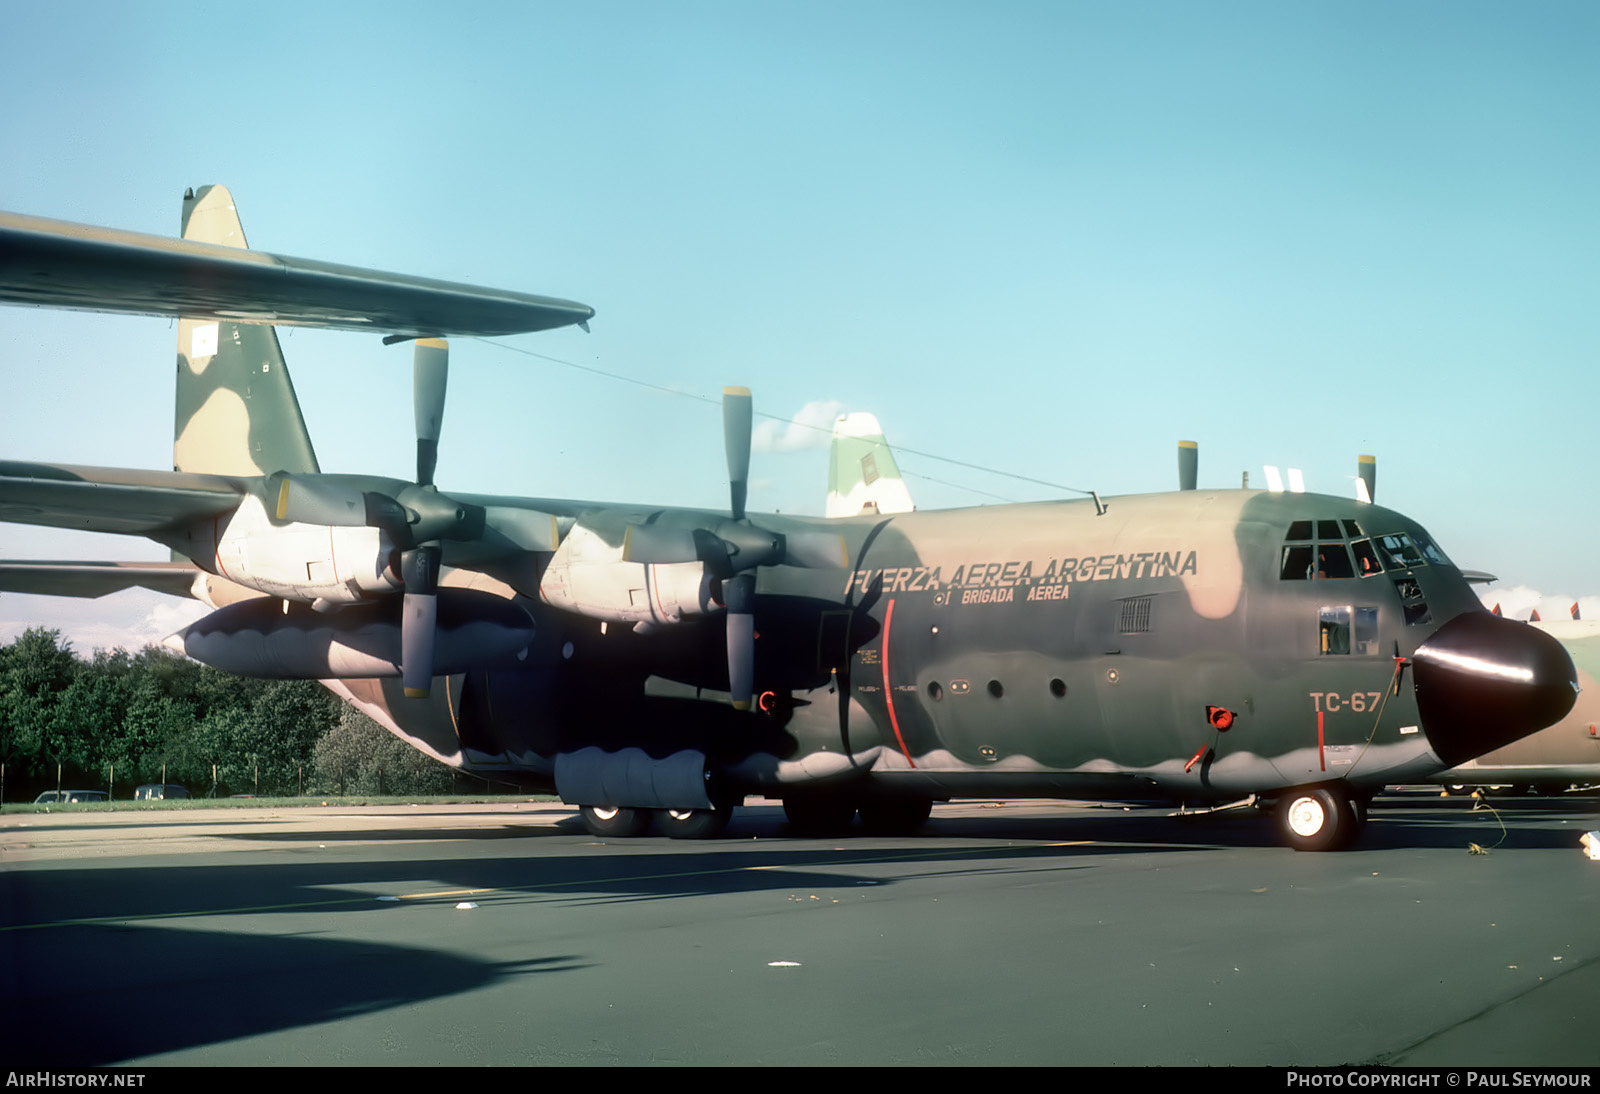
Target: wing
59	264
112	499
97	579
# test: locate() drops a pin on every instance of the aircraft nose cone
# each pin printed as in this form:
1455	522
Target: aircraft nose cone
1483	681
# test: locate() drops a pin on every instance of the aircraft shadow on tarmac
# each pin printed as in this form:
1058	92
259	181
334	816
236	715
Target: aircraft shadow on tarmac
179	988
83	981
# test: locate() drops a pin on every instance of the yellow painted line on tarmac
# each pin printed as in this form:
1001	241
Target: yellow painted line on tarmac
442	894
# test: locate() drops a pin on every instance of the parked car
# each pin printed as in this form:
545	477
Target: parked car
159	791
63	797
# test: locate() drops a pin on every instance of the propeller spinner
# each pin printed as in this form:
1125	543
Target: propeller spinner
733	550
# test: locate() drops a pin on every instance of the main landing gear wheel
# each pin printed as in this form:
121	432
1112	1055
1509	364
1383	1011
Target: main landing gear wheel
895	816
613	820
819	815
1319	818
694	823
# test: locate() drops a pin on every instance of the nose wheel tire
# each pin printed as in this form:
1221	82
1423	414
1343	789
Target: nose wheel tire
614	821
1318	818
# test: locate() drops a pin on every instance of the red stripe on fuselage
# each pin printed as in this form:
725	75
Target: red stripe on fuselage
888	693
1322	758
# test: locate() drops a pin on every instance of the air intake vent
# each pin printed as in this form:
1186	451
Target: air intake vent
1136	615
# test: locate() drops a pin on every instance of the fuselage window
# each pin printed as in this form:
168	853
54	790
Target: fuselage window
1342	629
1333	630
1366	636
1300	529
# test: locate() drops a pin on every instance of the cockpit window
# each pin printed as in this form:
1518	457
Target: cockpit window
1367	564
1328	555
1296	564
1399	553
1412	601
1333	561
1429	550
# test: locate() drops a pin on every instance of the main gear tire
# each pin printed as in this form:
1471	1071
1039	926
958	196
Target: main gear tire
614	821
895	816
694	823
819	814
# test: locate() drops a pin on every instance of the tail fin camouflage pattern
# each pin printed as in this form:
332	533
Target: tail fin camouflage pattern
236	409
862	474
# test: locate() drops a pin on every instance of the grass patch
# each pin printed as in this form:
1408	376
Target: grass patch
307	801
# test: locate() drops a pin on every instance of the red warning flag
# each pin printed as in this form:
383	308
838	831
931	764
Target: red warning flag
1497	609
1534	618
1575	609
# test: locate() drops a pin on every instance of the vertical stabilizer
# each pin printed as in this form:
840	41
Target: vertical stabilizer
236	409
862	474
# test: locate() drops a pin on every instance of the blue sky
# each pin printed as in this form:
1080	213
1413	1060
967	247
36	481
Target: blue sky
1049	238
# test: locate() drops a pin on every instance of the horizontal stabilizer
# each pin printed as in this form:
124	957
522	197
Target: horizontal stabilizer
111	499
59	264
96	579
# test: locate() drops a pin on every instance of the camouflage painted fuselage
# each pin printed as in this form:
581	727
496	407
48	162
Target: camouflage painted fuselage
1154	648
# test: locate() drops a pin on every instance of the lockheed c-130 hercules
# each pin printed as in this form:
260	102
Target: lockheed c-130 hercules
656	665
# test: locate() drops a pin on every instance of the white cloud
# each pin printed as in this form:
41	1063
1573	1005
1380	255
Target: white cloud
812	427
131	619
1519	601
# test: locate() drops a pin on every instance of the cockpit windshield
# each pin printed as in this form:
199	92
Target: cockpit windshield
1318	550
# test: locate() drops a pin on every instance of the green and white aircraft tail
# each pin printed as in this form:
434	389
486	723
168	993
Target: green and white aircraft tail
236	411
862	474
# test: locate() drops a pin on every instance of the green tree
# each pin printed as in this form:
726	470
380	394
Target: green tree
359	756
34	672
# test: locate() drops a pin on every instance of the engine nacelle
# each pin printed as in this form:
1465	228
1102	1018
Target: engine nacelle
284	641
304	562
590	576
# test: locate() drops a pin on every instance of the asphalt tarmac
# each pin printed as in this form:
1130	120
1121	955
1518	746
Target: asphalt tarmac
1008	933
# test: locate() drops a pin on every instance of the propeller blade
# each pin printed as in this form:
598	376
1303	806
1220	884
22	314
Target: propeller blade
528	529
430	373
655	545
418	619
1367	481
816	550
312	499
737	417
739	594
1188	464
